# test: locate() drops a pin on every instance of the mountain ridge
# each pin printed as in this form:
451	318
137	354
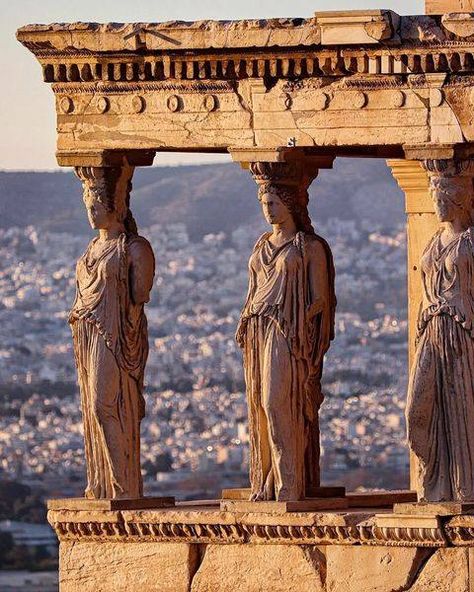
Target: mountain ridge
207	198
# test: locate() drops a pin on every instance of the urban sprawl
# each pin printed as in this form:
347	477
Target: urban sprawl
194	436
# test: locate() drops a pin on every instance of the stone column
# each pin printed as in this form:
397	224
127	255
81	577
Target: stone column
421	225
114	278
284	379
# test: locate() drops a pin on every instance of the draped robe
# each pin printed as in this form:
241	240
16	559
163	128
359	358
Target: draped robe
440	406
285	329
111	346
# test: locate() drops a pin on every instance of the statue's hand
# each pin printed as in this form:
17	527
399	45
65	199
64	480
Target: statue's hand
240	333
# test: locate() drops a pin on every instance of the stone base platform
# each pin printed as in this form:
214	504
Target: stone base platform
197	547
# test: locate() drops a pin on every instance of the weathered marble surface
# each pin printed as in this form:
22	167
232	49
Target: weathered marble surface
205	550
114	277
246	568
285	329
373	568
110	566
440	405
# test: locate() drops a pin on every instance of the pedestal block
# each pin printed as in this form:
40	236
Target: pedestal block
203	549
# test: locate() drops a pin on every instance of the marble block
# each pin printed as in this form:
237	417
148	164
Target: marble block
79	503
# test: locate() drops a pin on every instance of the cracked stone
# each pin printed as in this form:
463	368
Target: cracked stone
446	571
122	567
373	569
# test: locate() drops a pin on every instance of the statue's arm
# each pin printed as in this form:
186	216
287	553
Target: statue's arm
141	270
318	278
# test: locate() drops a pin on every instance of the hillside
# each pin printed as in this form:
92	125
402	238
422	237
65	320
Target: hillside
207	198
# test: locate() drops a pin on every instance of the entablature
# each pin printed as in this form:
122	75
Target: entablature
357	80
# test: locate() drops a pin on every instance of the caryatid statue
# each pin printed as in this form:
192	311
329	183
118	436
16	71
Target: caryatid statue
440	407
113	281
285	329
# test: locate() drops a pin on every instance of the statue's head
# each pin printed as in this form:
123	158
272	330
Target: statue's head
281	196
451	188
106	195
451	196
276	204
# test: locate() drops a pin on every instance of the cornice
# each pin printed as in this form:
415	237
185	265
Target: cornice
213	526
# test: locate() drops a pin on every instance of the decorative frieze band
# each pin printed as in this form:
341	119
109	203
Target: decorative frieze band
365	533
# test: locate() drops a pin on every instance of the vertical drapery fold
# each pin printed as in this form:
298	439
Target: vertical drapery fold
285	329
440	406
111	347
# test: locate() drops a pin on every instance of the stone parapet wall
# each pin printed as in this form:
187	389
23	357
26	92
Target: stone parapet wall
205	550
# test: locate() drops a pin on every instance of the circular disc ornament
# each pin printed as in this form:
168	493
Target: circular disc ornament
103	104
173	103
66	105
138	104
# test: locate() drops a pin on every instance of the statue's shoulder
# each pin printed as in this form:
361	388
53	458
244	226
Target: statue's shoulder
139	248
315	245
261	240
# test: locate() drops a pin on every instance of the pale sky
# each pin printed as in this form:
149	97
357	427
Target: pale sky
27	119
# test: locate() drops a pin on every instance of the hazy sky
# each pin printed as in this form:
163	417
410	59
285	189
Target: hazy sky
27	119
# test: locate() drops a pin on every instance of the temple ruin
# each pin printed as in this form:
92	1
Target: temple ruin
290	95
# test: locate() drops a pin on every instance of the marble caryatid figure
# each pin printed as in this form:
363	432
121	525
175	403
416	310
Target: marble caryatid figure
113	281
440	408
285	329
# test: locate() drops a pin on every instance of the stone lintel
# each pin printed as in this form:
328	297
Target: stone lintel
358	26
105	158
79	503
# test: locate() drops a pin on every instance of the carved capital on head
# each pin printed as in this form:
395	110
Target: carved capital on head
452	188
453	167
287	174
